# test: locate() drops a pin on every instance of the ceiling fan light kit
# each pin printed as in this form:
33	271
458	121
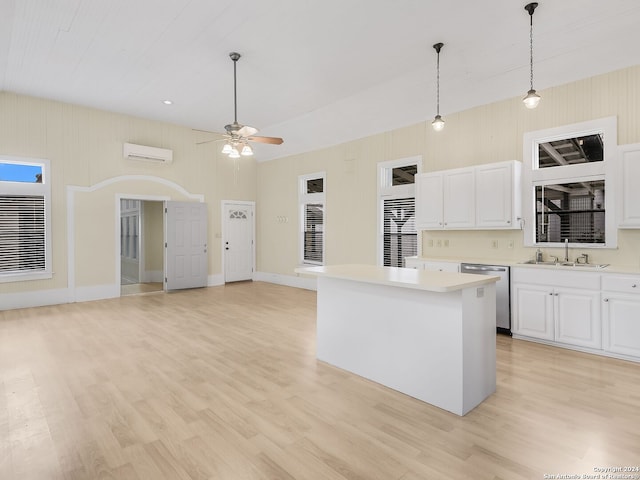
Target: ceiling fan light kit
438	122
532	99
238	135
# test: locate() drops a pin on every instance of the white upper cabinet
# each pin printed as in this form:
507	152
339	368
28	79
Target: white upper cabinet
429	201
498	195
481	197
459	198
629	193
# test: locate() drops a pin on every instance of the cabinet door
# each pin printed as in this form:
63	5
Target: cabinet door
429	201
577	315
459	198
621	322
494	195
533	311
629	174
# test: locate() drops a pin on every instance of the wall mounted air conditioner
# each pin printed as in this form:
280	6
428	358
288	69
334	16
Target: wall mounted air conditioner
131	151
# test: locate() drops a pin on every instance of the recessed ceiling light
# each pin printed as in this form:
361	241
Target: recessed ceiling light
167	102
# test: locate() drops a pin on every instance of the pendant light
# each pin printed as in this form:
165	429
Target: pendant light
532	99
438	122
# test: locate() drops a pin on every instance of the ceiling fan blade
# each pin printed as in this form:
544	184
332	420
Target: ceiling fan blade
247	131
270	140
212	140
205	131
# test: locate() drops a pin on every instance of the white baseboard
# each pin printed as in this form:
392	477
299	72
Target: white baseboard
153	276
289	280
215	280
96	292
39	298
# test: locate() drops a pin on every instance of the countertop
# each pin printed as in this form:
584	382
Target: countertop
624	269
441	282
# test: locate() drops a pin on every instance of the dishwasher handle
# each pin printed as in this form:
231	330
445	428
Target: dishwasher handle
483	268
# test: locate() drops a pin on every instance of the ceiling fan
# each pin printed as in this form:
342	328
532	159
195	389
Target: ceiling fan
238	136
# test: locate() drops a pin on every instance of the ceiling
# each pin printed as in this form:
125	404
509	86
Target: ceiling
316	73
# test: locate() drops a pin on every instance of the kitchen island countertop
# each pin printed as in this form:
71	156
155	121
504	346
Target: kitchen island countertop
400	277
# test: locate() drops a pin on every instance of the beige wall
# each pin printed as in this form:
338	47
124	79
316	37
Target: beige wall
84	147
481	135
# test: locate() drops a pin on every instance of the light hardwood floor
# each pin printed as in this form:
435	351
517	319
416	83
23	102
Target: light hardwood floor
222	383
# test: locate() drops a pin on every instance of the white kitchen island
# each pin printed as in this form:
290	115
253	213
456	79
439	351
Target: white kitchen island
430	335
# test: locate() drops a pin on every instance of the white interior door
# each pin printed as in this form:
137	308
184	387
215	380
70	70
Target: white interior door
238	241
185	245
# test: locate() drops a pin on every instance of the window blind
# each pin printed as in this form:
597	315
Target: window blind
400	238
313	232
22	233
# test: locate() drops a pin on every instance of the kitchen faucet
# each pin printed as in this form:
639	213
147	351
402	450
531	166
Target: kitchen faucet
566	249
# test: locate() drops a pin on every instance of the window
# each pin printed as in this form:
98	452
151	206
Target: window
568	171
398	237
24	220
312	204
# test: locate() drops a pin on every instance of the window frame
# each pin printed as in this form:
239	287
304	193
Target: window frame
533	176
35	189
386	191
305	199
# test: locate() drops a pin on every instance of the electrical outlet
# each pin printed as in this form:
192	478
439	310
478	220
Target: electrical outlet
438	243
446	242
510	245
494	243
430	242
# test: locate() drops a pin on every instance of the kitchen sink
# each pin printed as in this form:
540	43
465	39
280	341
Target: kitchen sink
594	266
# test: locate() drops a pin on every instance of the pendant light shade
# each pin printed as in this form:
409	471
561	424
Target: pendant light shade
438	122
247	151
532	99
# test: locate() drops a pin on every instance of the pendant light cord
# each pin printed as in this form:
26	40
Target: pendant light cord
438	83
437	48
531	46
235	96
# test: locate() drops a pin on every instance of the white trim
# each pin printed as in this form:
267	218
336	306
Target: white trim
532	175
306	283
36	298
78	294
97	292
386	191
215	280
152	276
223	222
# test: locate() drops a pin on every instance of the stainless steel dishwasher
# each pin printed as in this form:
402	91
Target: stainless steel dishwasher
503	299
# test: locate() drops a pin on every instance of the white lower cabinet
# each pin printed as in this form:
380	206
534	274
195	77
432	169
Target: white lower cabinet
442	266
546	307
577	317
533	311
560	314
621	314
431	265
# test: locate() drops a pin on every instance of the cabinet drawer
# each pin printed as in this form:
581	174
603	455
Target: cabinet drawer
556	276
623	284
442	266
